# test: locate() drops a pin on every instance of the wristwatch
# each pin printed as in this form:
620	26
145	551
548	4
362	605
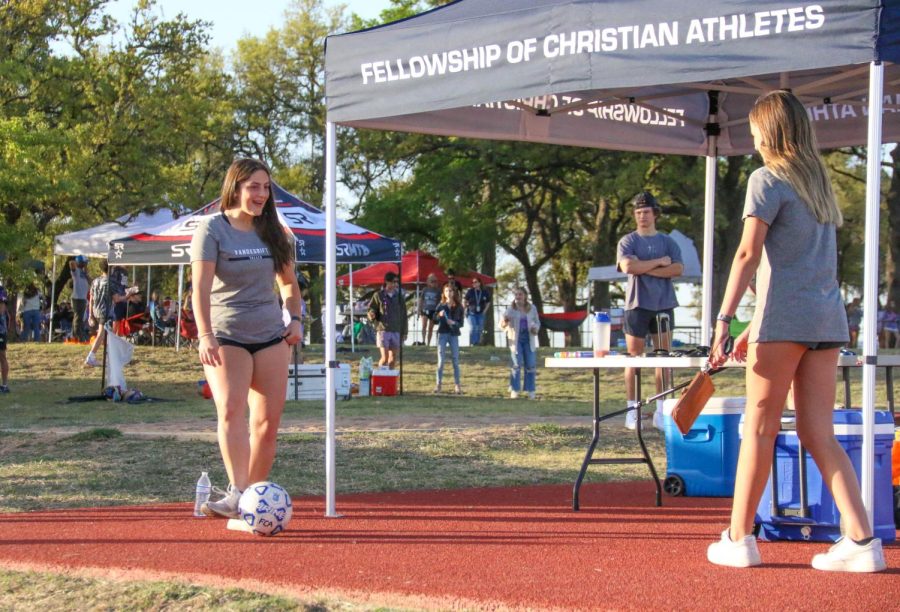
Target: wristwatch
724	317
296	318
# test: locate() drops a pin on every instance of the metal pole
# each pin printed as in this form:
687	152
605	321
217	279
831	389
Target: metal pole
352	314
52	302
870	286
330	302
709	225
180	306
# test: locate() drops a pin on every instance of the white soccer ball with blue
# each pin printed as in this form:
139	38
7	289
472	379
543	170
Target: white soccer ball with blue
266	508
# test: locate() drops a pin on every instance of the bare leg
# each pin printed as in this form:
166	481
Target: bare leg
770	369
391	358
814	392
266	399
4	368
635	346
98	340
384	356
230	385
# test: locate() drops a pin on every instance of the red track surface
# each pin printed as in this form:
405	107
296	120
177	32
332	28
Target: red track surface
488	548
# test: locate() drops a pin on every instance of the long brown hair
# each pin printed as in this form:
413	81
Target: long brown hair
790	150
454	295
267	225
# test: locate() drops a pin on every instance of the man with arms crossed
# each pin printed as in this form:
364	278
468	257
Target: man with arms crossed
651	260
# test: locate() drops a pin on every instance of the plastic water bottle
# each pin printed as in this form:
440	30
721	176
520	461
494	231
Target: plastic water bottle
601	333
203	489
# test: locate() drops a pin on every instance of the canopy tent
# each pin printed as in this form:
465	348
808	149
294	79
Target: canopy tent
94	241
647	76
170	243
692	271
415	267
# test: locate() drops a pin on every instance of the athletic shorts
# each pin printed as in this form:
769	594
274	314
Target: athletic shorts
250	347
428	313
822	346
640	321
387	339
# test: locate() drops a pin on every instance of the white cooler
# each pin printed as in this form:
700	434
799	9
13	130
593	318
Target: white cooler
309	382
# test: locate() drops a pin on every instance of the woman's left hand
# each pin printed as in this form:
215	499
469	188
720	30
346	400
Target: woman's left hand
292	333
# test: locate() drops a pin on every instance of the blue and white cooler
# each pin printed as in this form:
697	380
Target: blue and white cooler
821	521
703	462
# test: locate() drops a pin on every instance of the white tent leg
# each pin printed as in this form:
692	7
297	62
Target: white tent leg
709	228
180	306
352	314
330	302
52	302
870	286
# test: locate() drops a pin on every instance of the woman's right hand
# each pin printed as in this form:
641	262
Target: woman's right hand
209	350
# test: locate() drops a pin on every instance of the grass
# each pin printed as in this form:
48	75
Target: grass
480	439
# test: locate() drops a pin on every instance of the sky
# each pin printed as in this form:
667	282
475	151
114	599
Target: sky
231	19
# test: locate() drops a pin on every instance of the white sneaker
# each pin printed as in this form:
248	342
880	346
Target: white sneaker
631	419
531	395
513	395
227	507
658	420
743	553
848	556
91	361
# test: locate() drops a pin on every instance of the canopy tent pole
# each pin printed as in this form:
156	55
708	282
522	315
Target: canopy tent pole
709	219
330	301
870	285
352	314
52	302
180	307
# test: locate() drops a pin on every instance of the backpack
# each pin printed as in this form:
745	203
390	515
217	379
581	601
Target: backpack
101	300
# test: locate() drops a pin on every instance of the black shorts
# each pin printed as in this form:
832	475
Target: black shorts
250	347
3	344
428	313
822	346
640	321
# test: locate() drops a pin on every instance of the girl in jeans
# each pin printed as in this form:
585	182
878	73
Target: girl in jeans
521	324
449	318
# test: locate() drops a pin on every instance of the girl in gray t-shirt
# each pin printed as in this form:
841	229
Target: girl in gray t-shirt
237	258
788	240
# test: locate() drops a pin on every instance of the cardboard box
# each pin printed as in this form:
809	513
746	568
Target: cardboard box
385	382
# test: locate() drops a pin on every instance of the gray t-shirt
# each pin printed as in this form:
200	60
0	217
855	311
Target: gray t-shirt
80	284
643	290
797	293
243	304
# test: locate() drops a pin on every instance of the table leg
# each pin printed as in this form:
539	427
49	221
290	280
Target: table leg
845	371
593	445
640	437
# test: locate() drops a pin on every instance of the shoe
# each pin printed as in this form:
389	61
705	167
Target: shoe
631	419
457	390
743	553
91	361
4	389
227	507
658	420
437	389
531	395
513	395
848	556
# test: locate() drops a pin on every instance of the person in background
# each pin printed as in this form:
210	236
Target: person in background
428	301
81	284
451	278
388	312
890	329
651	260
854	320
237	257
449	318
4	333
522	324
477	302
29	309
797	330
104	295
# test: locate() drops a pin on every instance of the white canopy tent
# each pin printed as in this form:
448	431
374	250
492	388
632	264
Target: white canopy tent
94	242
647	75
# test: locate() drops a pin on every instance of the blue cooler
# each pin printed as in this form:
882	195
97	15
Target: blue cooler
703	462
823	521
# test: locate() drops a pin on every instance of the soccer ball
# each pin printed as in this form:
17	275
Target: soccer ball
266	508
